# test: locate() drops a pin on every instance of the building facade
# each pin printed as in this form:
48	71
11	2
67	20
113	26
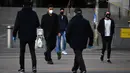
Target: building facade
56	3
120	6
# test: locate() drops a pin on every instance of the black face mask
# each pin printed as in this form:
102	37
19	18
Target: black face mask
61	13
108	15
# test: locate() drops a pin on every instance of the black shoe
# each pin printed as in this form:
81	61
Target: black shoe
102	58
83	72
21	71
59	55
50	62
109	61
74	69
34	70
45	54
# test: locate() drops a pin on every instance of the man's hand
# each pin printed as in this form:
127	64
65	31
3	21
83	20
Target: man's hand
90	47
14	38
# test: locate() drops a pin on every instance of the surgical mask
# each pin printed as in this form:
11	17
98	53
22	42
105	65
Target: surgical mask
50	11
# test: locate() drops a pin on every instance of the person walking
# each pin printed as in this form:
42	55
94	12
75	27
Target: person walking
61	40
50	26
25	25
77	35
106	28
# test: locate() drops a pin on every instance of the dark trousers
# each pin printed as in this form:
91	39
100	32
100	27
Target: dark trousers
50	44
32	51
78	61
48	54
106	45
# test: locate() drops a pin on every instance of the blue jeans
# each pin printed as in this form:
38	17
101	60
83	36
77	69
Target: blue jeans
61	42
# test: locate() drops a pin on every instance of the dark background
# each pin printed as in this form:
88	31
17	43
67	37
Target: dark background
56	3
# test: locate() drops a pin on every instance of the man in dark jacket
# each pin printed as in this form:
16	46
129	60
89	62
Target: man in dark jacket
106	28
26	24
63	22
77	35
50	25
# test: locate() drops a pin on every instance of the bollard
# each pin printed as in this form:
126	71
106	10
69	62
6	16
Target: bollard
9	37
129	23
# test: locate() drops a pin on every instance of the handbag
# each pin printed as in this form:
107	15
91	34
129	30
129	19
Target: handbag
39	39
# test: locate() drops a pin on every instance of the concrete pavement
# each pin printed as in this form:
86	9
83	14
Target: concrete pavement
9	60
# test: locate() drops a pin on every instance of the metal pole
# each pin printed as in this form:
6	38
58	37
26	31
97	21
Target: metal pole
34	3
9	37
97	9
119	13
108	6
96	12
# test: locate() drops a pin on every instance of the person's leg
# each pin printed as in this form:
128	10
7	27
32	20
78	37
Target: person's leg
58	44
58	47
48	53
51	44
33	54
103	48
45	53
80	60
22	55
109	49
63	40
76	64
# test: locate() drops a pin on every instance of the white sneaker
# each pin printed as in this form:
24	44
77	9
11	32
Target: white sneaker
64	52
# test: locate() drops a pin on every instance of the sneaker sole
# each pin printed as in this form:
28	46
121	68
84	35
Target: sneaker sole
21	72
64	54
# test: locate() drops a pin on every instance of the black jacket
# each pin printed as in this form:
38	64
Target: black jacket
101	27
50	25
25	24
78	32
63	22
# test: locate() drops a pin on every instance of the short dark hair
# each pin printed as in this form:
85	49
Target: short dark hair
50	5
61	8
78	10
28	3
107	13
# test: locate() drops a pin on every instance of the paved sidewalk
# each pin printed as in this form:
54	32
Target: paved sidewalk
9	60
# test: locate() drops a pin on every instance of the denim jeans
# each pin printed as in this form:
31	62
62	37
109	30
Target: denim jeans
61	42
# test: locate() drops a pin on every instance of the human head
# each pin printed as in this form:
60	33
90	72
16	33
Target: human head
50	8
28	3
107	14
78	11
61	11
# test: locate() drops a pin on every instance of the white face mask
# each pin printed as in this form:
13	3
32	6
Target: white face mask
50	11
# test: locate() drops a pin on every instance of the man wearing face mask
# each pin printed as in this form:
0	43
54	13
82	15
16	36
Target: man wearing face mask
106	28
63	21
50	25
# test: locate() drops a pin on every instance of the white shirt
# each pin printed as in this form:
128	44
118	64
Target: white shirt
107	27
62	17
